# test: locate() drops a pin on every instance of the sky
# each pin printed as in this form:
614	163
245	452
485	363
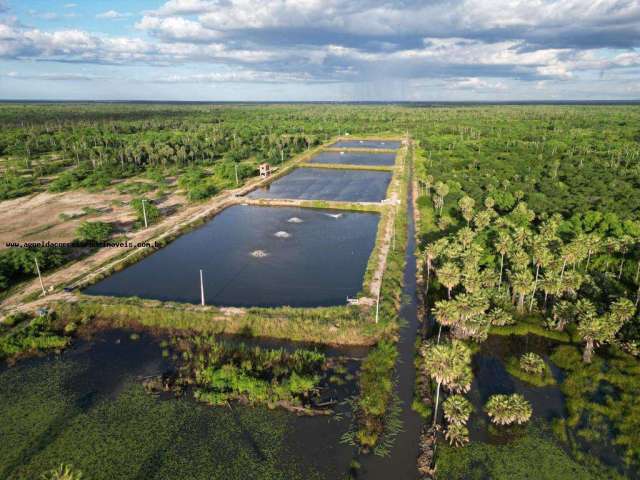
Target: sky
320	50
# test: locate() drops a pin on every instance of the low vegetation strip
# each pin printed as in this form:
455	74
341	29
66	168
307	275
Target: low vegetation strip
345	166
326	325
318	204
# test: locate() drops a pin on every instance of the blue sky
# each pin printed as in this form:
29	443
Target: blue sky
320	49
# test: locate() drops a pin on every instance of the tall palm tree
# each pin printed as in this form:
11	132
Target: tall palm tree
446	364
503	246
521	282
449	275
541	257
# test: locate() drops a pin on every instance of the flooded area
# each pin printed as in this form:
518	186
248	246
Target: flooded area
491	378
326	184
356	158
372	144
86	407
257	256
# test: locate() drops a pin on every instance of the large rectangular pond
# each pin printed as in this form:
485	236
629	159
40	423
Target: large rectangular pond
328	184
373	144
356	158
257	256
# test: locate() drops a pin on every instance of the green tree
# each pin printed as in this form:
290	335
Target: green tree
94	231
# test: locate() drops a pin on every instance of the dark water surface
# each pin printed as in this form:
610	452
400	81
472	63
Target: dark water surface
313	258
381	144
402	461
325	184
87	408
356	158
490	377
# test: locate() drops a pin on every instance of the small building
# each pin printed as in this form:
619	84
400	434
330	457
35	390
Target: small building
265	170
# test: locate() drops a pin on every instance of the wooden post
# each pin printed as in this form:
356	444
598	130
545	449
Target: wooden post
44	293
201	290
144	212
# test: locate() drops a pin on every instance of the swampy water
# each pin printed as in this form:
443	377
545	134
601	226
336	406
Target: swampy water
257	256
491	378
86	407
356	158
325	184
373	144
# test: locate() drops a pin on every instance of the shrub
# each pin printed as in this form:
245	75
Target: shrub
94	231
152	212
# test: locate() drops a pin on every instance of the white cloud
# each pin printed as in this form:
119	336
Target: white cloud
70	5
237	76
61	77
176	29
112	15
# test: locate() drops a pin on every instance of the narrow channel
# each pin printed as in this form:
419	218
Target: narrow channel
401	464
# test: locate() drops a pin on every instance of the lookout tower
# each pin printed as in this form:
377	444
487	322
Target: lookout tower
265	170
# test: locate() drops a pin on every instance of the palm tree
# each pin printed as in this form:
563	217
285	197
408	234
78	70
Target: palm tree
508	409
449	275
563	313
552	285
532	363
597	329
622	309
591	243
457	409
503	246
442	190
521	282
541	257
457	435
432	252
446	363
466	204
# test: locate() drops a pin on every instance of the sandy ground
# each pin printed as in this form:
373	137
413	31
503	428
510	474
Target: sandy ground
37	217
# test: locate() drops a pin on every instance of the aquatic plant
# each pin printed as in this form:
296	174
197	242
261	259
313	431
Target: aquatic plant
227	371
508	409
39	334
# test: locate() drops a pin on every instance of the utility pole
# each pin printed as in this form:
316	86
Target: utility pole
44	293
201	290
237	181
144	212
378	300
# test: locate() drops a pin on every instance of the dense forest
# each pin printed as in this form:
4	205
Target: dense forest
530	225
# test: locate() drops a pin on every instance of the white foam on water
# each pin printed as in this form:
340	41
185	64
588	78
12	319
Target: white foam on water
259	254
333	215
295	220
282	234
